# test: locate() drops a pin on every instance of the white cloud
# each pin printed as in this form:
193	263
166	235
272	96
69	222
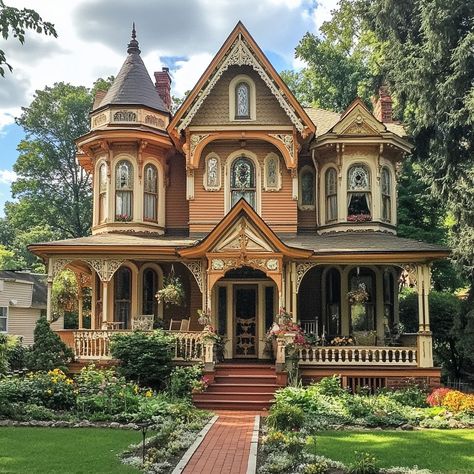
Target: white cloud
188	72
7	176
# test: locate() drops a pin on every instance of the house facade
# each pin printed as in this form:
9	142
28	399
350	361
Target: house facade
254	203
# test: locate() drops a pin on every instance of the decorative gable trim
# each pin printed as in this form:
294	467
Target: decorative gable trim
357	120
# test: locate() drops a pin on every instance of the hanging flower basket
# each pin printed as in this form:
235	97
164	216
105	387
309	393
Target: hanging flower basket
359	295
204	318
172	292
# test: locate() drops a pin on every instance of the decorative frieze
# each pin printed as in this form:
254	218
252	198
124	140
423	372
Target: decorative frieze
125	116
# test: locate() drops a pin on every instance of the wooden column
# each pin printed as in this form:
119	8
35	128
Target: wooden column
49	313
105	303
80	308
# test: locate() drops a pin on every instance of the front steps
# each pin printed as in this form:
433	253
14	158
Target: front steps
241	386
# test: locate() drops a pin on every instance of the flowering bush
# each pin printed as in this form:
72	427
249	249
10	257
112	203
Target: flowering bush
342	341
183	380
285	325
209	334
359	218
436	397
172	291
459	402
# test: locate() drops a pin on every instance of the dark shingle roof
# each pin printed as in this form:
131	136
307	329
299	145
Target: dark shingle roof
38	280
133	85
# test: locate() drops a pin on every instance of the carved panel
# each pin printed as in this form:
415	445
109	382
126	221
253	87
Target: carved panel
195	140
195	268
58	265
99	120
125	116
409	276
287	140
105	268
155	121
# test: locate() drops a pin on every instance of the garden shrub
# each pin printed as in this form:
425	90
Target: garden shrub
413	396
48	351
459	402
16	354
365	463
144	356
436	397
285	417
331	387
184	379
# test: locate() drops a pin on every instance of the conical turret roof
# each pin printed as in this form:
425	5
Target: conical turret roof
133	85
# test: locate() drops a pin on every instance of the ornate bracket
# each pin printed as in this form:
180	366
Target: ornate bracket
194	140
195	267
105	268
58	265
287	140
301	270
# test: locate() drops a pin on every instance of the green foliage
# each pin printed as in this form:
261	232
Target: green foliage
16	22
144	357
48	351
183	379
285	417
413	396
331	386
12	353
365	463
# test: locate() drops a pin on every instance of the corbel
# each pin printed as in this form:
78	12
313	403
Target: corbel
105	146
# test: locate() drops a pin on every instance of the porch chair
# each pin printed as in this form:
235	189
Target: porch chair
184	325
179	325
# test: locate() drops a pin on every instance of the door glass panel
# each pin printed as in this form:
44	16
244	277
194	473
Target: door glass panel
245	304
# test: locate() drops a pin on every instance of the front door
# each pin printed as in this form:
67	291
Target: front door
245	321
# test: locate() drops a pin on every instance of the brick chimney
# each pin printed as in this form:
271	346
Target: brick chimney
163	85
383	105
99	95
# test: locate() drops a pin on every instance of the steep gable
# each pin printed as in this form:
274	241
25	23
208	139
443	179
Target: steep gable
357	120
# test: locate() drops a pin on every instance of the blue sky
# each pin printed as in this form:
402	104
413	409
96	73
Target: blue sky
183	35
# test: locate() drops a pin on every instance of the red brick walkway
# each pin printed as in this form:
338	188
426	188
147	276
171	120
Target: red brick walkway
226	447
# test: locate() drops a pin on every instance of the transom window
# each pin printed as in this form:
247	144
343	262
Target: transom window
123	191
3	318
242	181
150	197
242	101
331	195
386	184
358	194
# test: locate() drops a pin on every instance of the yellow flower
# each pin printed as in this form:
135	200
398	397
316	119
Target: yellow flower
136	389
148	393
49	392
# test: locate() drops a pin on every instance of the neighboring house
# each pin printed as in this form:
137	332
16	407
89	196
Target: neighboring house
22	302
255	203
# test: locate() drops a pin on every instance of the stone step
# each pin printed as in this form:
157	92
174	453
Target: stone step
213	404
242	387
245	379
264	397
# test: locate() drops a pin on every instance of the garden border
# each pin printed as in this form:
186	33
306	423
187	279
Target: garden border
252	462
192	449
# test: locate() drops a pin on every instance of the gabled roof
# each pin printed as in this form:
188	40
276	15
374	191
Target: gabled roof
240	48
359	116
242	209
37	280
133	85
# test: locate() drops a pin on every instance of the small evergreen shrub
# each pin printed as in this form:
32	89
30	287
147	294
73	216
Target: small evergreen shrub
183	380
145	357
285	417
48	351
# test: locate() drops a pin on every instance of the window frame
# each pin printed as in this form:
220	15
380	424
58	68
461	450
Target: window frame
236	80
301	205
367	191
124	190
253	189
147	193
5	317
102	202
205	182
386	198
328	196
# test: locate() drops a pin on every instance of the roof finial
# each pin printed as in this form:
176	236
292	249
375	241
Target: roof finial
133	45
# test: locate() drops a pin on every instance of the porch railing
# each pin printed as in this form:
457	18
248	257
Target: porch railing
358	355
95	345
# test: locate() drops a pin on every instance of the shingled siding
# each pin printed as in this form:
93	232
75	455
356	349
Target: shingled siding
279	210
177	209
215	109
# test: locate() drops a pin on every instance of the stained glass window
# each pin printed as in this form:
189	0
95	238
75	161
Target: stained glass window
386	195
123	191
212	172
242	181
359	178
358	195
331	195
150	197
242	100
272	172
307	187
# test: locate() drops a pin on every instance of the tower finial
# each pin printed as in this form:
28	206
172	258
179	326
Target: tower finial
133	45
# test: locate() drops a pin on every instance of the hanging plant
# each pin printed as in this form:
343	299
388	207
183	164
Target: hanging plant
172	291
204	317
359	295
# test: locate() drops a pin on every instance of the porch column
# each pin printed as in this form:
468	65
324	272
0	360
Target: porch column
79	308
345	306
49	314
105	304
424	338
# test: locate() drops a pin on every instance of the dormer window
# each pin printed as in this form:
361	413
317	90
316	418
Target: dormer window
242	101
150	194
123	191
386	185
358	194
242	181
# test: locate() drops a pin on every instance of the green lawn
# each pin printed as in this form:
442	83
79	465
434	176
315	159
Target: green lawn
447	451
63	450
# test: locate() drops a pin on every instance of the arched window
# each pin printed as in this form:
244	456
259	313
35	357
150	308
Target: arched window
306	188
102	193
242	181
358	194
331	195
333	303
150	194
123	191
123	296
150	288
212	175
362	299
242	101
386	184
272	172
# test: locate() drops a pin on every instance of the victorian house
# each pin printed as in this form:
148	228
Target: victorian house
254	203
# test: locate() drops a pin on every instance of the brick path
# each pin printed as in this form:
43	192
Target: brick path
226	447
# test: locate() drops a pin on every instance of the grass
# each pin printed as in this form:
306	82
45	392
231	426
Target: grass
446	451
63	450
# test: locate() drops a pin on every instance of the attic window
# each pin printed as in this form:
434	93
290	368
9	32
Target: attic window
242	101
242	98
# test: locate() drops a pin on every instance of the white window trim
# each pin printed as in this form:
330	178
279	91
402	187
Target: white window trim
258	179
266	186
302	207
253	106
219	170
6	318
390	195
326	195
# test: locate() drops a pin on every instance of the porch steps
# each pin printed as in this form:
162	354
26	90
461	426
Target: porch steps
239	387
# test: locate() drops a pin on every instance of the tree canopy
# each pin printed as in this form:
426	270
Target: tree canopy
16	22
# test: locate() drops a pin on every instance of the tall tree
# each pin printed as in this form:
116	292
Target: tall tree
14	21
53	191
